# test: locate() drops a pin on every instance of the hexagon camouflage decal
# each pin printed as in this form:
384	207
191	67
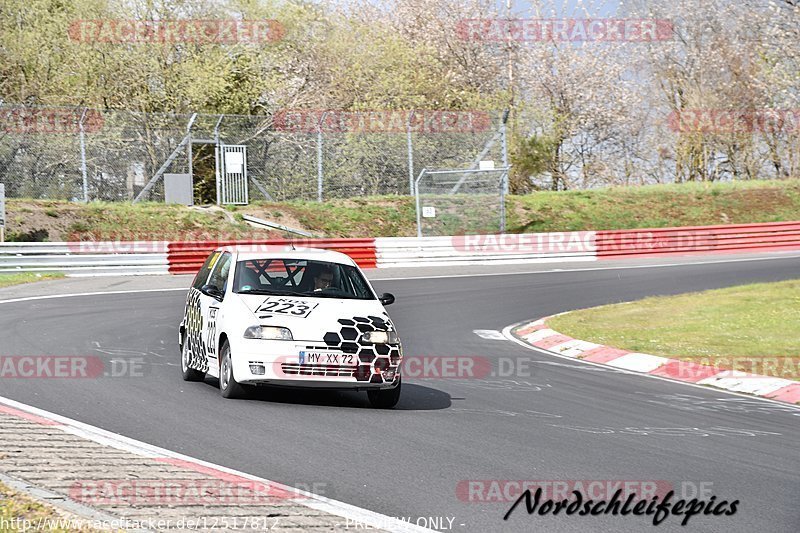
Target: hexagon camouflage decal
194	332
349	340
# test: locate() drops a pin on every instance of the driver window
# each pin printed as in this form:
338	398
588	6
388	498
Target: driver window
202	275
219	277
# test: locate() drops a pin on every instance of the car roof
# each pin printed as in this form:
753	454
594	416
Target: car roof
263	251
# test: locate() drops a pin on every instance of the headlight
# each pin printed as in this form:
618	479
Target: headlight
268	333
381	337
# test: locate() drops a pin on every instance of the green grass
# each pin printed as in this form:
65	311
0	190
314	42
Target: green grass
389	216
148	221
655	206
754	323
14	506
7	280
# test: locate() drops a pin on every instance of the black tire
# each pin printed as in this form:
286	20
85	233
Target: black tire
384	399
228	386
189	374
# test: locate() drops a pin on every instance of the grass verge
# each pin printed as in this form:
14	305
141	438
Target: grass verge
7	280
752	328
653	206
21	513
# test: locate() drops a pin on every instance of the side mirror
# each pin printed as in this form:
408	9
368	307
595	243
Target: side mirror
386	298
214	292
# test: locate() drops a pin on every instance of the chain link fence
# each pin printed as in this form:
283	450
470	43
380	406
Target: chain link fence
81	154
461	202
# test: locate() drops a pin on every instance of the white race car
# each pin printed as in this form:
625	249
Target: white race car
302	318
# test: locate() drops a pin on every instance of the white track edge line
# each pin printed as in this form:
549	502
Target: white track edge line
568	270
100	293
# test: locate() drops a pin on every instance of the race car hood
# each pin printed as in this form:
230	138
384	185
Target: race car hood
310	319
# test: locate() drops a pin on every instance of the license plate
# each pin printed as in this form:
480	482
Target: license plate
328	358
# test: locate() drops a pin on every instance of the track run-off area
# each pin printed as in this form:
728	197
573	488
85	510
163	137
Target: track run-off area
452	442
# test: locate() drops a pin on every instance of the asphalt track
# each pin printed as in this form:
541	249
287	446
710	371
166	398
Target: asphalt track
564	421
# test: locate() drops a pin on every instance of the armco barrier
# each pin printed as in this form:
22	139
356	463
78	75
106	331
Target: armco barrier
480	249
99	258
766	237
85	258
188	257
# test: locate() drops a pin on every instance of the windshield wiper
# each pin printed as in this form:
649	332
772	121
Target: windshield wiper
268	292
296	293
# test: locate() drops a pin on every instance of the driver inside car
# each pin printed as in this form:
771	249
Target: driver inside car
323	279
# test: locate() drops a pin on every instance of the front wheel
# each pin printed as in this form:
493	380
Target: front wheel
189	373
384	399
228	385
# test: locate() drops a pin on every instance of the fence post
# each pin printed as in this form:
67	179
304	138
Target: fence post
319	157
503	185
505	147
410	154
83	157
415	187
190	153
217	160
504	179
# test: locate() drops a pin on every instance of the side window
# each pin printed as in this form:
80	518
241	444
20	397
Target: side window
202	275
359	286
219	277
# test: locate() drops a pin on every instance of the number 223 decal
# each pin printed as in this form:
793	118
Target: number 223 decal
284	306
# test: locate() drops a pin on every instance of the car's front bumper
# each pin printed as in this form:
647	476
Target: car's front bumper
259	362
322	383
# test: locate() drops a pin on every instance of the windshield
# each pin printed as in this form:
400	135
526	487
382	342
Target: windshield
300	277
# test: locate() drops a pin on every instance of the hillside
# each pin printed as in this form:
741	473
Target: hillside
386	216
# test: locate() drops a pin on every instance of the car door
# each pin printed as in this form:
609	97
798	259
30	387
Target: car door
211	309
196	315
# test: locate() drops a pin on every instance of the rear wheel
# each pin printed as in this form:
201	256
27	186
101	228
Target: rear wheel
189	374
385	398
228	386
